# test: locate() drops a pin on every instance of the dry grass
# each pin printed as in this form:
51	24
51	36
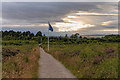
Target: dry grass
22	65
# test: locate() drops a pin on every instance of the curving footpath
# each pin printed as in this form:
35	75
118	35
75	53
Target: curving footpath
51	68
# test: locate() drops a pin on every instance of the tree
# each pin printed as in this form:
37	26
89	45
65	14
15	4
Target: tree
24	34
4	33
39	34
80	37
11	33
28	33
18	33
66	36
31	35
74	35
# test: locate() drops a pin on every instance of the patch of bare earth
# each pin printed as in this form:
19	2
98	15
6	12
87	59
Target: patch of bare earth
109	52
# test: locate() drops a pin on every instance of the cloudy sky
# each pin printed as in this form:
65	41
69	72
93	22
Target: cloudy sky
85	18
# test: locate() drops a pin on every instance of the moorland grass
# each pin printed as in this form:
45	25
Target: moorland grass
93	60
22	64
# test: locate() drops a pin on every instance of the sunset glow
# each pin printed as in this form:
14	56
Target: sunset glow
92	13
111	30
70	24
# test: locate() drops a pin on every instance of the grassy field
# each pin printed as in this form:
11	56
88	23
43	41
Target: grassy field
20	59
93	60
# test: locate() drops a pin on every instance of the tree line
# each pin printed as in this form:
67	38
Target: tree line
74	38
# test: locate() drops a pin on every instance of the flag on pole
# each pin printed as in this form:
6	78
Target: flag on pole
51	29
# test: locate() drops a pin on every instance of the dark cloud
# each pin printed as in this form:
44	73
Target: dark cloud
42	12
37	12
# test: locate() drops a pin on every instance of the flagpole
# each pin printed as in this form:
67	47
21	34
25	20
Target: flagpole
48	38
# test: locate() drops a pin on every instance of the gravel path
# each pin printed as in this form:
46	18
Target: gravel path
51	68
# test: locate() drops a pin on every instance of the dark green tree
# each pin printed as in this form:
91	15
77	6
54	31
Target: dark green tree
39	33
80	37
28	33
66	36
31	35
75	36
